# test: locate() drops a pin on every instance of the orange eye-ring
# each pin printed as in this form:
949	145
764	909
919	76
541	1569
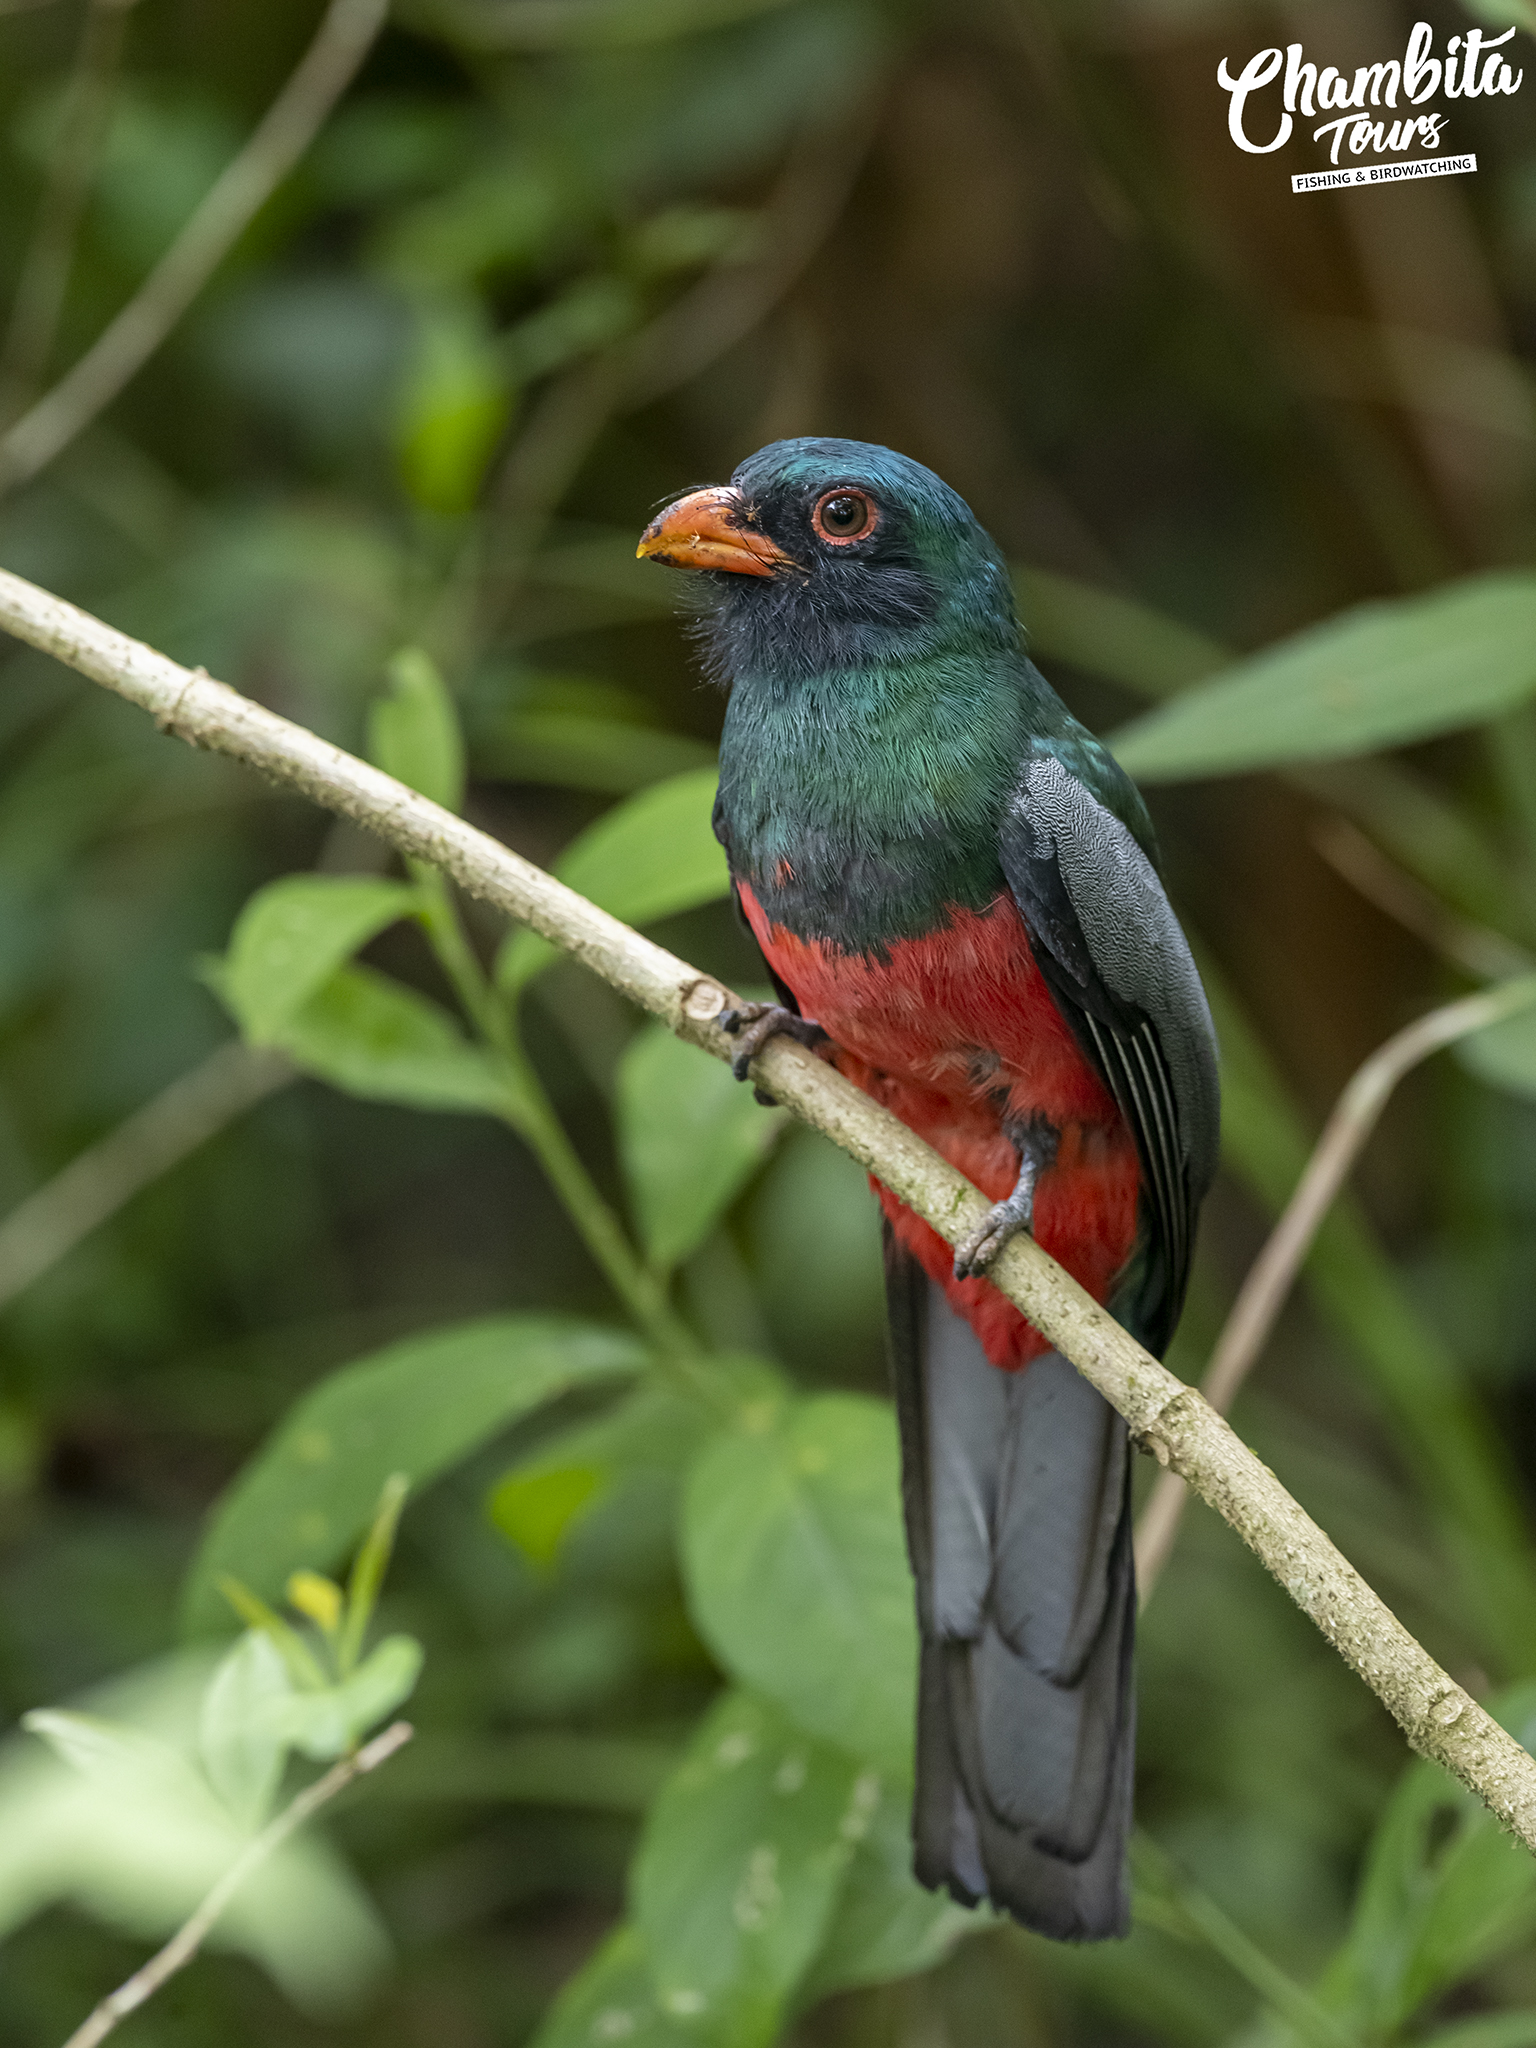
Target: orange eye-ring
844	515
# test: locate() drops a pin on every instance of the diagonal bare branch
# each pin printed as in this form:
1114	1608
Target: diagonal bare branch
285	131
1270	1278
95	1185
190	1936
1167	1418
71	171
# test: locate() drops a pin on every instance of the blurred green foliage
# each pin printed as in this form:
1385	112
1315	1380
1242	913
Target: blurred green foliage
549	262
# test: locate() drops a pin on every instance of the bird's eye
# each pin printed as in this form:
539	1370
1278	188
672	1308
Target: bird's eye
842	516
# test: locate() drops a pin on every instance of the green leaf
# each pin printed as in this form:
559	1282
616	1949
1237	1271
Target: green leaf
535	1509
452	406
372	1036
1499	14
417	1407
299	1660
1443	1430
136	1838
290	939
613	2001
585	734
1444	1892
1504	1055
326	1724
740	1866
577	752
590	314
623	1468
886	1924
588	1773
318	1599
690	1138
1419	826
109	1752
650	857
368	1569
1379	675
413	734
797	1570
241	1749
1109	634
1494	2030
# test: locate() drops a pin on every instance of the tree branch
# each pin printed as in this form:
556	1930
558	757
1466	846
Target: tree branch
190	1936
71	172
41	1229
285	131
1269	1280
1485	954
1166	1417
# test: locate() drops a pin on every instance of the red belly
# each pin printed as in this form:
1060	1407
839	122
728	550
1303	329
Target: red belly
956	1033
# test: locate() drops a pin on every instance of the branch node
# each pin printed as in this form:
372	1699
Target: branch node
1448	1708
168	719
703	1000
1155	1436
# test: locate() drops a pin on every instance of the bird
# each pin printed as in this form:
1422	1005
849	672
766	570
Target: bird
957	893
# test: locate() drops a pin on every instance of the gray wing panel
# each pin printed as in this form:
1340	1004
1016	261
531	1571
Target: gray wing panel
1120	968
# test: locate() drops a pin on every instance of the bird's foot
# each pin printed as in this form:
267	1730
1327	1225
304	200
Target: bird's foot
753	1024
1004	1220
1037	1143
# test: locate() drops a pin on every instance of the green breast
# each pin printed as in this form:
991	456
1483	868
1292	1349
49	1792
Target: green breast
861	808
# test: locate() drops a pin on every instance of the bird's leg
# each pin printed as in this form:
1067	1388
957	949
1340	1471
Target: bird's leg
753	1024
1037	1141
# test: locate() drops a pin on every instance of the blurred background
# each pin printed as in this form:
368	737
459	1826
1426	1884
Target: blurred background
547	263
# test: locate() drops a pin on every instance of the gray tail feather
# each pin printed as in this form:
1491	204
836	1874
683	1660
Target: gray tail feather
1016	1490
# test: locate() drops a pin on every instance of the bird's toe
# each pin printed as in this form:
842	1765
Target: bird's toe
976	1252
753	1024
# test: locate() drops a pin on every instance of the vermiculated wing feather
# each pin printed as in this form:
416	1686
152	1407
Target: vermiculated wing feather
1119	968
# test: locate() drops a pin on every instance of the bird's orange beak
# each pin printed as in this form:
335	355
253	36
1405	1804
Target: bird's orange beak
711	530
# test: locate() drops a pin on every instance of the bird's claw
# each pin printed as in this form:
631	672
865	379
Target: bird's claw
1004	1220
1037	1141
753	1024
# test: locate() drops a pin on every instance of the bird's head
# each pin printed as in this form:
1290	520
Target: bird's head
827	556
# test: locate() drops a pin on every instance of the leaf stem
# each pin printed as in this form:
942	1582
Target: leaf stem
449	941
1263	1292
345	35
72	169
532	1115
189	1938
96	1183
1183	1909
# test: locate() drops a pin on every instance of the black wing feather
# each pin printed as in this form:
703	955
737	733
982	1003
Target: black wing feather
1119	968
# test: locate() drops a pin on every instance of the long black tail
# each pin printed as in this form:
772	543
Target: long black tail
1017	1495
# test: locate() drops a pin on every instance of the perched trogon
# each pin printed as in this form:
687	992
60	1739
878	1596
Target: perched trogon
956	891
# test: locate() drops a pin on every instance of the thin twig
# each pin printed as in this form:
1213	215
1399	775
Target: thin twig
286	130
190	1936
40	1230
707	320
1166	1898
1272	1274
733	298
1475	947
71	172
1167	1418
